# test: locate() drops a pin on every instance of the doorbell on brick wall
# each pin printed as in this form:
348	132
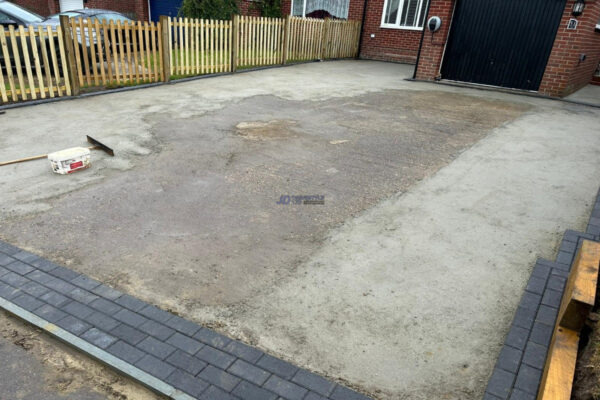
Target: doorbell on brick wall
434	24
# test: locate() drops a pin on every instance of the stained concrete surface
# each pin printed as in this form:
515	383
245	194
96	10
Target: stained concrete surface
438	200
587	94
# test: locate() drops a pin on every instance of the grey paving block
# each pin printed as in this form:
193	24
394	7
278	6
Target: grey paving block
155	367
40	276
212	338
156	329
187	383
98	338
219	378
130	302
183	325
130	318
541	334
248	391
501	383
155	314
25	256
243	351
215	357
509	359
524	317
106	306
19	267
82	295
60	286
568	247
73	325
552	298
343	393
285	388
156	347
277	366
313	382
8	249
250	372
564	257
49	313
560	272
185	343
517	337
107	292
6	259
27	302
547	315
214	393
125	352
102	321
593	229
557	283
34	289
14	279
3	271
8	292
518	394
44	265
540	270
594	221
63	273
535	355
530	300
189	364
85	282
536	285
128	334
528	379
77	309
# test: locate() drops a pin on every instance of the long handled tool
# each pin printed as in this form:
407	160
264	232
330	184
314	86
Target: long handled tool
96	146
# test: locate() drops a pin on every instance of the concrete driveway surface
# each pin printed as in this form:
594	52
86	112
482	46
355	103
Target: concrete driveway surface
437	202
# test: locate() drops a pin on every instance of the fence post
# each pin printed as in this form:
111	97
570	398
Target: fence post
286	39
325	38
235	21
166	51
67	37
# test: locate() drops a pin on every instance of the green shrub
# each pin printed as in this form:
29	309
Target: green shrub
268	8
209	9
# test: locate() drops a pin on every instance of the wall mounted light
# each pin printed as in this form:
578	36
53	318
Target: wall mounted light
578	7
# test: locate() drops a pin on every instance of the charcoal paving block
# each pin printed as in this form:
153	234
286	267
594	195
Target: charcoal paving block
49	313
63	273
541	270
8	292
19	267
189	364
156	329
128	334
547	315
3	271
185	343
77	309
528	379
154	366
243	351
5	259
107	292
8	249
40	276
14	279
155	314
215	357
254	374
557	283
315	396
541	334
285	388
82	295
214	393
130	318
187	383
44	265
27	302
212	338
501	383
535	355
85	282
219	378
248	391
125	352
552	298
524	317
530	300
521	395
106	306
343	393
73	325
184	326
156	347
34	289
517	337
60	286
277	366
314	382
536	285
98	338
509	359
25	256
130	302
101	320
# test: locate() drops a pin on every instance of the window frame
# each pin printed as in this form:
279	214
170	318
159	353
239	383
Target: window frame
396	25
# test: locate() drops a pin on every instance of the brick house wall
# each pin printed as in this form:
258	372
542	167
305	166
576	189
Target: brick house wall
135	8
432	50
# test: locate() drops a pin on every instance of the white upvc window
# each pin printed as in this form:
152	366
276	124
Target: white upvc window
335	8
404	14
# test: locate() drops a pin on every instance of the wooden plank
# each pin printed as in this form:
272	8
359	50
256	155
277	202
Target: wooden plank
53	60
27	62
557	381
100	51
202	45
127	38
212	31
36	62
124	65
3	93
46	60
66	58
148	50
140	35
9	74
17	58
181	48
186	30
161	34
174	44
196	38
115	53
109	56
84	50
94	72
168	41
580	292
153	37
135	55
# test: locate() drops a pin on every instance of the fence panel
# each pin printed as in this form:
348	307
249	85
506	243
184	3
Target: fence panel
342	39
32	64
260	41
305	38
199	46
116	53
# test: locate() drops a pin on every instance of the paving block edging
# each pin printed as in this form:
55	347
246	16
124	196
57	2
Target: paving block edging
167	353
518	371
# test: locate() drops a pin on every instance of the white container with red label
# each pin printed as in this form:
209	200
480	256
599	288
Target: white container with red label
70	160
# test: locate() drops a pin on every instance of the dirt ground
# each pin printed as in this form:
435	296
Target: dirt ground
437	200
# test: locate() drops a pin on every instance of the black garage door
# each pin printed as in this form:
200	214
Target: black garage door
502	42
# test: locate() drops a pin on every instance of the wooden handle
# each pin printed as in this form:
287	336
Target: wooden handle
20	160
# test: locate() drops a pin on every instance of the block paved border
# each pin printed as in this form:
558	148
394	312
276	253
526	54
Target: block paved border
165	352
520	365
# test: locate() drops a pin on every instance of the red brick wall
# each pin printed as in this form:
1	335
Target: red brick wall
565	73
434	43
246	8
136	8
388	44
42	7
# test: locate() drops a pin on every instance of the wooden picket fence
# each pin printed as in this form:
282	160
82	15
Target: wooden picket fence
44	62
30	71
109	53
199	46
